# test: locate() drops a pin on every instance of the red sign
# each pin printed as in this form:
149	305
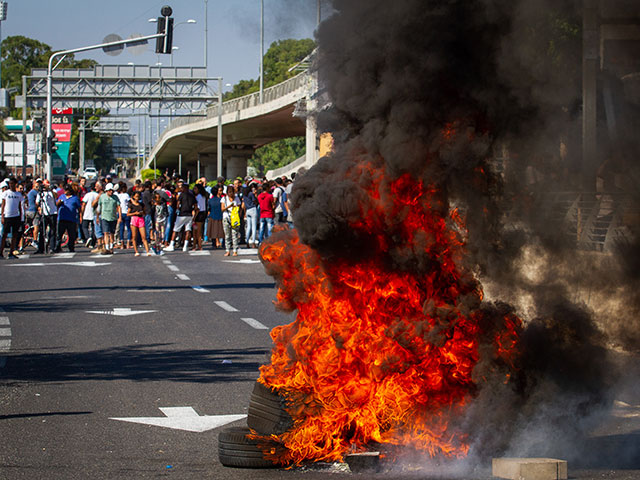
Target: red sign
62	111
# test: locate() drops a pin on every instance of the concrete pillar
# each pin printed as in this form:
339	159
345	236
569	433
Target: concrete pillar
590	66
210	171
236	167
311	142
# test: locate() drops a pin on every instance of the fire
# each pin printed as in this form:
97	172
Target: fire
379	354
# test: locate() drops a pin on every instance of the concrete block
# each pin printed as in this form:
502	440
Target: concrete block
530	468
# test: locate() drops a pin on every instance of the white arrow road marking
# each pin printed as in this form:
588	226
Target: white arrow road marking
199	289
244	260
120	312
252	322
182	276
74	264
226	306
184	418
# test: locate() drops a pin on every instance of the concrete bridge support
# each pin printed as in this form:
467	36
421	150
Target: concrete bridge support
236	166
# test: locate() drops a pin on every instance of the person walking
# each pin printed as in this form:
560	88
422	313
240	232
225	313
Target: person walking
68	213
109	207
230	206
12	208
267	207
198	224
136	212
187	208
215	229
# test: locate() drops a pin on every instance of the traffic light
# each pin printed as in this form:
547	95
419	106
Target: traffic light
51	146
164	44
3	11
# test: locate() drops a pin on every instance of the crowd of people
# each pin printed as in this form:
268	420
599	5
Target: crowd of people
148	217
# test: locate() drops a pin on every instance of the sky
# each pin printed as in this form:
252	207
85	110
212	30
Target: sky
233	29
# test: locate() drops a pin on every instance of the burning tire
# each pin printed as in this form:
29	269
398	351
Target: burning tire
235	449
267	414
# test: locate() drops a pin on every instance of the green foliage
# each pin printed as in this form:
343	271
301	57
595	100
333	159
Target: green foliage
148	174
282	55
96	146
20	54
277	154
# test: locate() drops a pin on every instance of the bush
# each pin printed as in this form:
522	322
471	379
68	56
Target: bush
148	174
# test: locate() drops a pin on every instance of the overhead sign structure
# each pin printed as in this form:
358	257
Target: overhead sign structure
61	123
184	418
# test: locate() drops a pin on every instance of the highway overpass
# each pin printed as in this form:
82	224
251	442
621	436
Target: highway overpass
246	125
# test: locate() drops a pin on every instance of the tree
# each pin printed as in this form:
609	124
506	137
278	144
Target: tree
20	54
96	146
281	56
277	154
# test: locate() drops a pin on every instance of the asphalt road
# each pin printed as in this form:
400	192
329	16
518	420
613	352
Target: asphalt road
75	355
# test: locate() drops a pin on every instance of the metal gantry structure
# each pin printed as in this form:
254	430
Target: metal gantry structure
135	88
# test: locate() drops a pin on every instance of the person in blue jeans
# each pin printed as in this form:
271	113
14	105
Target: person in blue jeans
68	208
250	200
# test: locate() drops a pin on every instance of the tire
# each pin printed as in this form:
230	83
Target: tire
235	449
267	413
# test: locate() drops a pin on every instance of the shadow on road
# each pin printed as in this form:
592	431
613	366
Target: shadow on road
137	363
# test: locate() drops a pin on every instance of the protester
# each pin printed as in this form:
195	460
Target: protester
124	233
187	208
251	215
215	229
198	224
46	204
136	212
12	211
161	215
110	211
230	205
267	207
68	210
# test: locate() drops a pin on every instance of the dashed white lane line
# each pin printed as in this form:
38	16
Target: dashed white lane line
4	345
4	320
199	289
166	262
64	255
226	306
5	332
199	253
173	268
252	322
182	276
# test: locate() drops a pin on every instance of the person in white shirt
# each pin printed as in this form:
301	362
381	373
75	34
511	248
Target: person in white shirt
88	216
124	229
12	213
47	210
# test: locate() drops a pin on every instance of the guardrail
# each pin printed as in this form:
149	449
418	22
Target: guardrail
237	104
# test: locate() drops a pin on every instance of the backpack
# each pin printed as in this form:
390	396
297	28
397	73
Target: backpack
234	214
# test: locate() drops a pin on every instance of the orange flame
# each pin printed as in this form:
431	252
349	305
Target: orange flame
379	355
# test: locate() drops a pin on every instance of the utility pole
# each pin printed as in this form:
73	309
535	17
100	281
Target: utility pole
24	129
261	51
206	39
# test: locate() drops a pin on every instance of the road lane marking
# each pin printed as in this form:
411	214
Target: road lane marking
4	345
243	260
64	255
4	320
73	264
151	290
166	262
173	268
248	251
226	306
5	332
120	312
252	322
182	276
199	253
184	418
199	289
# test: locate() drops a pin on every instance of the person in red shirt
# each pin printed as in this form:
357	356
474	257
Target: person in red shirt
267	212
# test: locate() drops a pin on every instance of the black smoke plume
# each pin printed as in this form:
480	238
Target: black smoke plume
481	99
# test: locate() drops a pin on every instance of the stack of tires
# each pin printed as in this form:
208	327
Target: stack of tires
267	415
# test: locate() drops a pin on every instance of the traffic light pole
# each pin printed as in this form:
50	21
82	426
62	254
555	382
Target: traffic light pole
51	68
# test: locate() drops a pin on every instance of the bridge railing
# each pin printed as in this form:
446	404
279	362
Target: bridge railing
237	104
